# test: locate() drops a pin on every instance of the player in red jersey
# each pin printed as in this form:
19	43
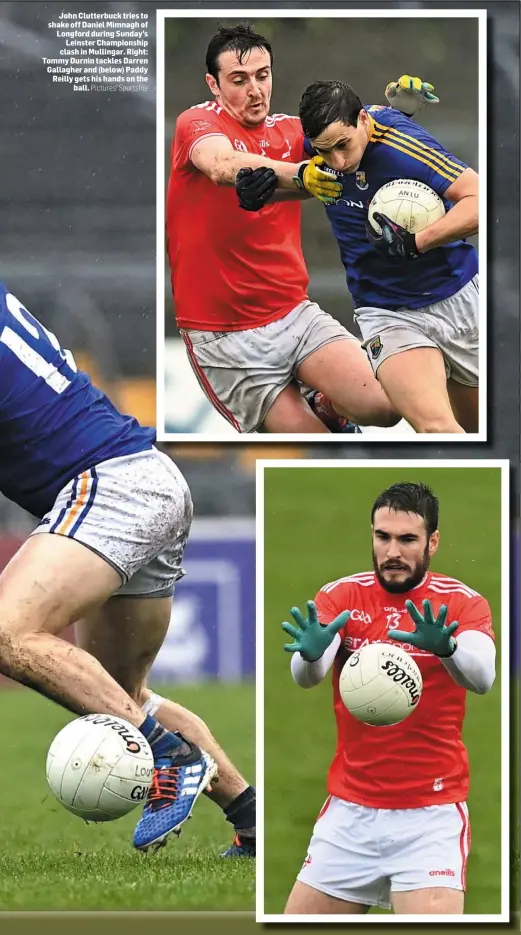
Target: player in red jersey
394	830
239	278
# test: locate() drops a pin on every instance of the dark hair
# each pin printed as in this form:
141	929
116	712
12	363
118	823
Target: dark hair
325	102
410	498
241	39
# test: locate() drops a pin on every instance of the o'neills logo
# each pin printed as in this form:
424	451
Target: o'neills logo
442	873
133	746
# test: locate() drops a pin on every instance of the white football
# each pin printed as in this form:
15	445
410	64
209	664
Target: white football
100	767
380	684
409	203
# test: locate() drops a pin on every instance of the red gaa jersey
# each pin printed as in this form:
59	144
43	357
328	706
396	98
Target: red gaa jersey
423	760
232	269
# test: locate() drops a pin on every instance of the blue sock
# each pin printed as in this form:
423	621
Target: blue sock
161	741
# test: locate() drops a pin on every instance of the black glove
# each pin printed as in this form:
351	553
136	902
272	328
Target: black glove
254	187
394	242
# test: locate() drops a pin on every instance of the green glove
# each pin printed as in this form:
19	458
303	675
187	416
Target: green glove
410	95
311	638
431	633
319	180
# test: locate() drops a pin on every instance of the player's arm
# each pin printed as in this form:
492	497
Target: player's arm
473	662
470	656
463	218
315	645
216	157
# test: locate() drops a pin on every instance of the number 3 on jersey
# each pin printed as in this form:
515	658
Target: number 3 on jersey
34	354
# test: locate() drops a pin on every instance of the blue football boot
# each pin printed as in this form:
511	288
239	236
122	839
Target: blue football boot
241	847
323	409
177	783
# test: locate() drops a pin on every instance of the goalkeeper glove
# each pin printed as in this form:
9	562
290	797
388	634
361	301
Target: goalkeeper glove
319	180
394	242
431	633
410	95
254	187
311	638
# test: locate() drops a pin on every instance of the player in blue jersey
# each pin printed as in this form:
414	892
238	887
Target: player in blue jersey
114	517
415	296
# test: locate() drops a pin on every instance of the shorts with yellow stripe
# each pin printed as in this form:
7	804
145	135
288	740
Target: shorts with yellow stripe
451	326
135	512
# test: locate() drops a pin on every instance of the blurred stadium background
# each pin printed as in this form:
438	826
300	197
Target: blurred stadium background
304	50
337	516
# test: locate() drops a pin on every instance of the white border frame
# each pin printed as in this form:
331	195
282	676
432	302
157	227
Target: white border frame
369	919
239	14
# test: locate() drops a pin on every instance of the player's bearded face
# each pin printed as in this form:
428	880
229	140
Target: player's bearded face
244	88
342	146
402	550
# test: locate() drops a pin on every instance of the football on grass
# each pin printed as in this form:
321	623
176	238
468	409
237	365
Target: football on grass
409	203
100	767
380	684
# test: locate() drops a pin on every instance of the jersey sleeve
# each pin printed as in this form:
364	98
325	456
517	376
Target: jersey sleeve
413	152
475	614
192	126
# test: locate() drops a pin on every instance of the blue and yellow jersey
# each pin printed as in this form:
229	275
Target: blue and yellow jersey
398	148
54	424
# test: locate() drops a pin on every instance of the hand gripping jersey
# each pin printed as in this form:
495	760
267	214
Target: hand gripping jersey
232	269
398	148
54	423
423	760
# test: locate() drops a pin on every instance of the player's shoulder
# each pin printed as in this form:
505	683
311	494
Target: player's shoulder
388	122
445	585
363	579
204	115
285	120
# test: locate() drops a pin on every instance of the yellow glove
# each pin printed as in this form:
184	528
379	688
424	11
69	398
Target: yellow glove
319	180
410	95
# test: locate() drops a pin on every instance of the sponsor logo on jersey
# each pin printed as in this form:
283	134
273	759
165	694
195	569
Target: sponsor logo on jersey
442	873
376	347
199	125
361	616
240	146
264	143
361	181
437	785
349	203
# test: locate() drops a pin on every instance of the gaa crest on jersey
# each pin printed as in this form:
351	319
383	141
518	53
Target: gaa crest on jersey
240	146
375	347
361	181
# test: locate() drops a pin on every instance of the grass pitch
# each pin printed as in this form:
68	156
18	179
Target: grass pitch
51	860
317	529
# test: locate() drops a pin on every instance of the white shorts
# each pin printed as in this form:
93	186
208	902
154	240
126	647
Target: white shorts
452	326
364	854
243	372
135	511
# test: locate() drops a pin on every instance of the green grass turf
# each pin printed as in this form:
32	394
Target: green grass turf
317	529
51	860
